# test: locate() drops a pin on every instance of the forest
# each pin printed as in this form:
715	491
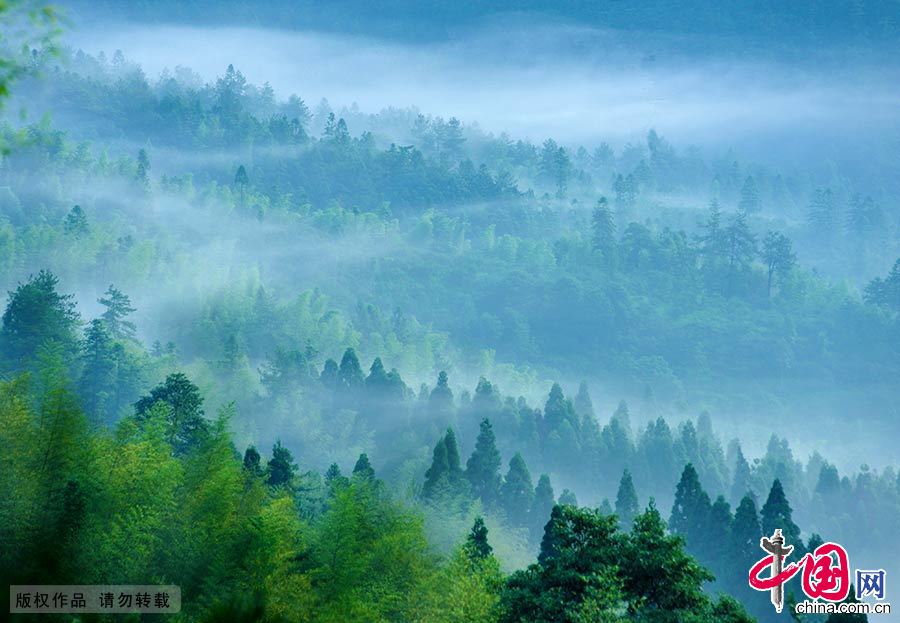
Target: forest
317	361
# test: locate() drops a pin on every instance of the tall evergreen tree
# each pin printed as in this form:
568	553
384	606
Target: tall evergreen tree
776	513
350	373
483	466
626	501
517	491
779	257
118	308
186	426
741	483
477	546
603	230
36	314
363	468
690	512
749	202
97	385
241	179
438	475
544	500
281	468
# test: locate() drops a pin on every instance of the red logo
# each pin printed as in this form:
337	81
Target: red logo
826	571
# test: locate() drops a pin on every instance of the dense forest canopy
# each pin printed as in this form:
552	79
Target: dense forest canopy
318	362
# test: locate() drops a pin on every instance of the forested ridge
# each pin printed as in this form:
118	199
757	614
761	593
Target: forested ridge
325	365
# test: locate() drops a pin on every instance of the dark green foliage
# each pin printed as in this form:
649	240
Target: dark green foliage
477	545
517	492
98	374
252	461
350	372
118	308
626	501
690	512
363	468
186	427
37	314
779	257
543	503
281	468
777	513
445	474
483	466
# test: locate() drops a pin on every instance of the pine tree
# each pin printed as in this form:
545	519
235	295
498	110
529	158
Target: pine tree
584	406
281	468
350	373
749	202
241	179
477	546
714	547
517	492
567	498
745	533
118	308
252	461
626	501
440	401
454	469
779	257
690	512
185	424
36	313
741	483
603	230
437	476
776	513
97	385
543	503
76	224
483	466
363	469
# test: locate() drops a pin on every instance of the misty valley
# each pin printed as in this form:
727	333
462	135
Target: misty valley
437	313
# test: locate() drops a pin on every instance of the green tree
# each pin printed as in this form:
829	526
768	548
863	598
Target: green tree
777	513
749	202
543	503
363	468
517	492
98	373
36	313
281	468
350	373
690	511
626	501
76	223
603	230
483	466
477	545
779	257
186	427
241	180
118	308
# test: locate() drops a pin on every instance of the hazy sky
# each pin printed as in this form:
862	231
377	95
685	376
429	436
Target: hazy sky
573	84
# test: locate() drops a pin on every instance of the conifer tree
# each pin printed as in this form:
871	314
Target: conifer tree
118	308
690	512
439	472
186	425
483	466
477	545
252	461
281	468
741	483
543	503
776	513
517	492
567	498
350	373
626	501
98	372
363	469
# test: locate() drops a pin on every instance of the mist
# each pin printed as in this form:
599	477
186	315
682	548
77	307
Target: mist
578	85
